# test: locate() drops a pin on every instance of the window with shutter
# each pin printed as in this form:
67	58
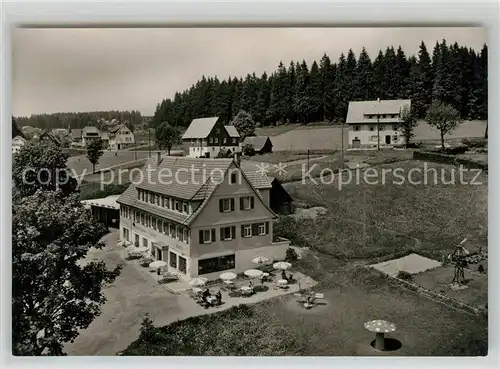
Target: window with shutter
201	237
213	235
241	204
267	227
262	229
233	231
232	204
252	204
247	230
221	206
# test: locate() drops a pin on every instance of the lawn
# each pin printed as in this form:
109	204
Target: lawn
439	279
371	220
297	137
287	156
80	163
281	327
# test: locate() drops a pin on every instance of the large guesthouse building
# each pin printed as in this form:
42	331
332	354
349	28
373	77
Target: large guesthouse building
201	216
207	137
374	123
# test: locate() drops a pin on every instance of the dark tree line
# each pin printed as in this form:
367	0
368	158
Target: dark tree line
79	120
454	74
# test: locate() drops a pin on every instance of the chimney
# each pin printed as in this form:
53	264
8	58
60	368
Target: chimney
237	158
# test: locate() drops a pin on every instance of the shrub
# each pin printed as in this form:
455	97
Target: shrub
291	255
145	261
475	143
480	268
287	227
248	150
405	276
456	150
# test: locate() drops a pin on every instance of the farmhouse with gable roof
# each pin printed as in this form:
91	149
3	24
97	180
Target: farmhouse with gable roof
207	137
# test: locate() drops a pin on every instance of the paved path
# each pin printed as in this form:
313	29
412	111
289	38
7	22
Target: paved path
135	293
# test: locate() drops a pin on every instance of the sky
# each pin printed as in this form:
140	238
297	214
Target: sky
71	70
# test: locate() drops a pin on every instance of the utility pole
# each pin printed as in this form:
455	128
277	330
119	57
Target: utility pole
342	145
378	124
149	141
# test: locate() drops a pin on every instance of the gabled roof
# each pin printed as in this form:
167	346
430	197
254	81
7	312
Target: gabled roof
19	137
200	128
257	142
358	109
232	131
187	179
51	137
90	129
76	133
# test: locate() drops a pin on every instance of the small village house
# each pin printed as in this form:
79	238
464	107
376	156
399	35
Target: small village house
207	137
17	143
260	144
211	216
76	135
120	137
90	133
47	138
363	118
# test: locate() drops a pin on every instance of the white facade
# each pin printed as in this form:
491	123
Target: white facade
389	135
123	137
17	143
201	149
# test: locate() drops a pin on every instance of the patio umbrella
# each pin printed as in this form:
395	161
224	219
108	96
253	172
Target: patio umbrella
283	265
228	276
124	243
260	260
133	248
253	273
200	281
157	264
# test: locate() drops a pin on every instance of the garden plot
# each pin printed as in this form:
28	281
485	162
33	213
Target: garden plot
412	264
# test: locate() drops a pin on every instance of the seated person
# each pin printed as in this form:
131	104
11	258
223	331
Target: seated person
283	275
251	286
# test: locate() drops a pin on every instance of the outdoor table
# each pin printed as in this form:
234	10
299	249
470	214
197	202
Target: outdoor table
380	327
282	282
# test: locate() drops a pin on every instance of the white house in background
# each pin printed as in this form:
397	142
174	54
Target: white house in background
17	143
120	137
207	137
363	117
90	133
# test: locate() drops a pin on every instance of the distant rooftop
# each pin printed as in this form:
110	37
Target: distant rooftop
358	110
105	202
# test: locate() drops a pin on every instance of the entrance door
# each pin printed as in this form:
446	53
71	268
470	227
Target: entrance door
159	254
356	143
137	240
388	139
